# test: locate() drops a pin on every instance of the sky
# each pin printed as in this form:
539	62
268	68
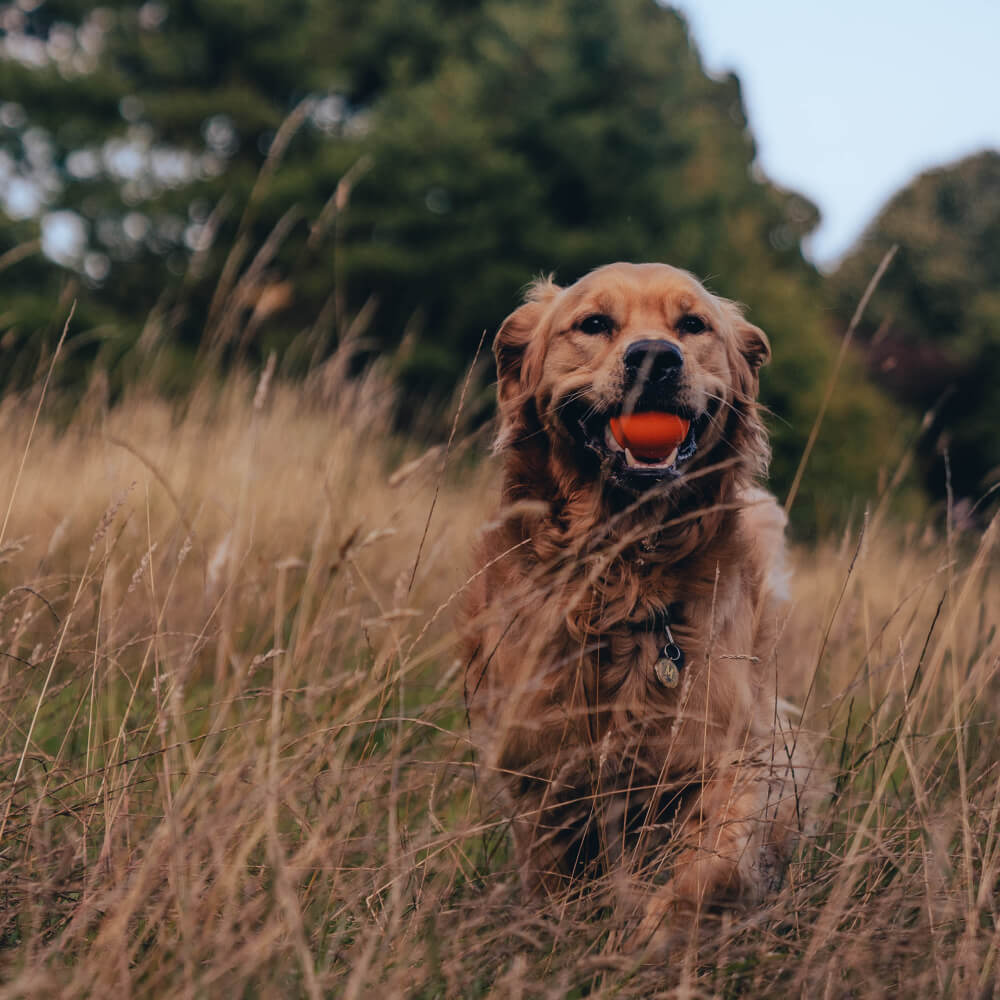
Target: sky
848	101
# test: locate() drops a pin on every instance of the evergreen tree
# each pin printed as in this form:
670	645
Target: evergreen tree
198	149
933	327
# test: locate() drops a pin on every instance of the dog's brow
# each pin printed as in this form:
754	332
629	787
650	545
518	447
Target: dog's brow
600	303
605	303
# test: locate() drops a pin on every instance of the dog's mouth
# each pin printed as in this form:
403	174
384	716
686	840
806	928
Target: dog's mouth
634	465
643	463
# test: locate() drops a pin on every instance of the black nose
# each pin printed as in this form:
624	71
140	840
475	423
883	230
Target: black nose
652	362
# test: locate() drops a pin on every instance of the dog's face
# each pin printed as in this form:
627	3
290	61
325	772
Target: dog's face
625	339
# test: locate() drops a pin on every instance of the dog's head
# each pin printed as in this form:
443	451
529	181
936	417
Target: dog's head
629	339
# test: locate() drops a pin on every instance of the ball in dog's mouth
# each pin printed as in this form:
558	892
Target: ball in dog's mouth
650	446
652	436
650	441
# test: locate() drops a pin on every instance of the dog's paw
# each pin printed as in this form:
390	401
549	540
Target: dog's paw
665	915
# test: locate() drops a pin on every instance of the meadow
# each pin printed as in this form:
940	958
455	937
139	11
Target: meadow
234	754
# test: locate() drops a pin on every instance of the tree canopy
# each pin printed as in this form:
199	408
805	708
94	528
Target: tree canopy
933	327
229	178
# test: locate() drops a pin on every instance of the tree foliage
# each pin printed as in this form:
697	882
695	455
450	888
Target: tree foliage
933	327
415	163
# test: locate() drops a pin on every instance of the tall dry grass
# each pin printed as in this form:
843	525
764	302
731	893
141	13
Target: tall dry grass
235	760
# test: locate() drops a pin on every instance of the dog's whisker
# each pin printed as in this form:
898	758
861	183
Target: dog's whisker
572	398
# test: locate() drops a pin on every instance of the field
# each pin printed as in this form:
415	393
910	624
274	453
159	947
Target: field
234	753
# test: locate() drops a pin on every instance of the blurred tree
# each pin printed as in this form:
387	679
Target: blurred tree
933	327
228	178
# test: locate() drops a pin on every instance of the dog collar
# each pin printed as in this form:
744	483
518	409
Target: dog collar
668	665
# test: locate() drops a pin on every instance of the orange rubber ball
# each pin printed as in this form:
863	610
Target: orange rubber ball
650	435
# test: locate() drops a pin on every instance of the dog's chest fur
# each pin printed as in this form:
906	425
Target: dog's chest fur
563	678
573	725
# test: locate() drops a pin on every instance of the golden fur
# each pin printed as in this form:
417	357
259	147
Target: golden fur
685	795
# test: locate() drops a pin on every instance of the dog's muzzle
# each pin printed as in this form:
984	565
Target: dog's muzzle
653	369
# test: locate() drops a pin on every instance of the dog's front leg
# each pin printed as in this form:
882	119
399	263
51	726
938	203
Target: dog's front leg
732	846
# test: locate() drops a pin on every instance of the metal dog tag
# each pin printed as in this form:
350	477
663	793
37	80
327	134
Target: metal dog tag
666	671
668	667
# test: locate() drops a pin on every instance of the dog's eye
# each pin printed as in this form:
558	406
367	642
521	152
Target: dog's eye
598	323
691	324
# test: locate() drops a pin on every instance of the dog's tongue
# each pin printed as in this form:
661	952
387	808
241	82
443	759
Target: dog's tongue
651	435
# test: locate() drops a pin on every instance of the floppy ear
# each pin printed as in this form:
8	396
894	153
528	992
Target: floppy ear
745	430
751	341
515	334
509	346
754	345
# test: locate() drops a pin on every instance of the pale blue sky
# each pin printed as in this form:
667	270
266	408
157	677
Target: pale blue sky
849	100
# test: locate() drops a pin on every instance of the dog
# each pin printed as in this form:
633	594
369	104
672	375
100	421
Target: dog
620	632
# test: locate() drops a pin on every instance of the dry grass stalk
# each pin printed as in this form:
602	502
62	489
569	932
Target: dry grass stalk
235	756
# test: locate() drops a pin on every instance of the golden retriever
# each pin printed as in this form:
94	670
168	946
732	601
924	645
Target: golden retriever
621	685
